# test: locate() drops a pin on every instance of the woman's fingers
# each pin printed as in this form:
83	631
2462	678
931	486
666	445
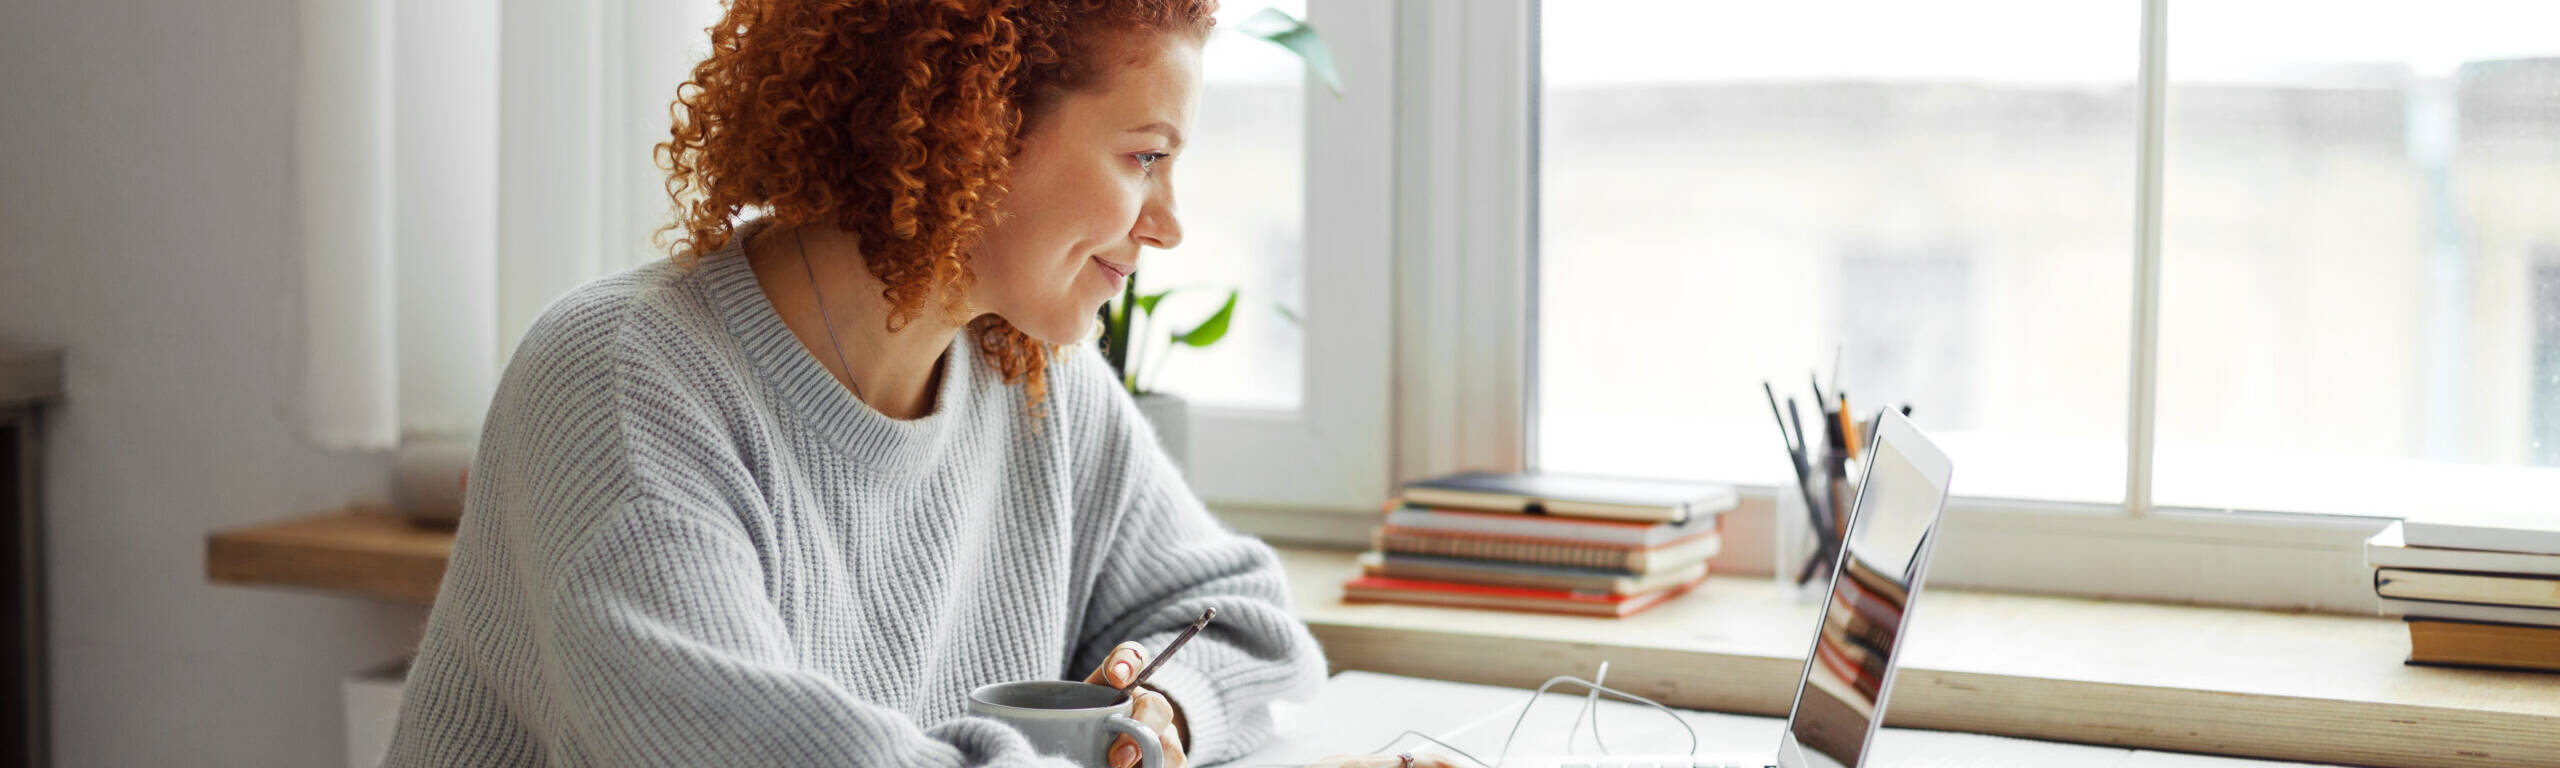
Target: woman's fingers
1156	712
1171	742
1151	708
1124	753
1121	666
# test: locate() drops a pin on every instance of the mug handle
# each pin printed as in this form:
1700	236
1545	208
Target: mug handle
1150	752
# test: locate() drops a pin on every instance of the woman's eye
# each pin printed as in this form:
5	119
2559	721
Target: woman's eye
1147	160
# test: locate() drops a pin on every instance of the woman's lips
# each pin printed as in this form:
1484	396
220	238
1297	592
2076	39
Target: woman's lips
1117	271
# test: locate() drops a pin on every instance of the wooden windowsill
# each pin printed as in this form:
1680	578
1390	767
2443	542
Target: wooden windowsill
2215	680
2286	686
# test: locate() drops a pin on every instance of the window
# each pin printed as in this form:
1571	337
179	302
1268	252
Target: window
1729	198
1944	207
2325	284
1241	195
1286	196
2347	276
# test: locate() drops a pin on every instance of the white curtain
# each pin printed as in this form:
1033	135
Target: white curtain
445	161
464	163
343	150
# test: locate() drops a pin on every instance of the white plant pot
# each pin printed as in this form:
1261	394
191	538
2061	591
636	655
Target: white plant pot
1171	417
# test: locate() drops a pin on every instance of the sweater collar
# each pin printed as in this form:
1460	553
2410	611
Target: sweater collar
803	384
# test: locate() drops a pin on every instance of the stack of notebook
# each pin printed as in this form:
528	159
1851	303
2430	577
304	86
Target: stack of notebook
2474	594
1543	542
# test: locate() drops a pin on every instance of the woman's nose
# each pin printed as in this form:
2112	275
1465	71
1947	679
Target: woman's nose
1157	225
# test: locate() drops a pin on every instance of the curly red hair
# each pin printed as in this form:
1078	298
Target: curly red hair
895	120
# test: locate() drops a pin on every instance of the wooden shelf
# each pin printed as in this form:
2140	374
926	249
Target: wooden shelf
2262	684
364	551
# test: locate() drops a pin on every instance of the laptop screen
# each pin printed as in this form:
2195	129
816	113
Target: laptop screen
1850	672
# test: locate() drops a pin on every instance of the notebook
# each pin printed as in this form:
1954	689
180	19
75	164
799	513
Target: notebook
1613	498
2529	531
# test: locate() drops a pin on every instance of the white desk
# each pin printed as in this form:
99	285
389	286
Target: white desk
1358	712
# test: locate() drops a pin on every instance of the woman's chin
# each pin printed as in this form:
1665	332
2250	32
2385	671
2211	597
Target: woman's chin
1061	331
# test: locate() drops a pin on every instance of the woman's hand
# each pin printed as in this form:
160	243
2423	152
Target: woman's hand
1152	708
1385	761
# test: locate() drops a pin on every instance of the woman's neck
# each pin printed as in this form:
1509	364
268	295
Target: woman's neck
895	373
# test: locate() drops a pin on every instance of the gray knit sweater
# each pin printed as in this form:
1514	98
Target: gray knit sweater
684	543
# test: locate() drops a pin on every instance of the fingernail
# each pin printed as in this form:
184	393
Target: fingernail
1125	756
1120	672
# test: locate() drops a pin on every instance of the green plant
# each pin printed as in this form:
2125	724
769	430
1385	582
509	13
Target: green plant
1289	32
1121	316
1119	321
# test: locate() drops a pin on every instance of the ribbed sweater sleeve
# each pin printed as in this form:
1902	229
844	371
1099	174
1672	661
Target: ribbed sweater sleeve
1170	559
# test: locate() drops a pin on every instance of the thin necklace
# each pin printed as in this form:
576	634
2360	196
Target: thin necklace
822	313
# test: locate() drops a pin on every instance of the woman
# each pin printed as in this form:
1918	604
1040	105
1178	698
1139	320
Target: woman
787	498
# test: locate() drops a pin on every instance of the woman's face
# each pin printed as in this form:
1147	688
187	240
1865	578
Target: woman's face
1093	182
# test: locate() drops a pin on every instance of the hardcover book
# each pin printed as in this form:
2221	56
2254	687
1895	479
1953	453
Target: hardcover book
1527	575
1371	589
1521	549
1612	498
2467	644
1597	531
2389	549
2473	588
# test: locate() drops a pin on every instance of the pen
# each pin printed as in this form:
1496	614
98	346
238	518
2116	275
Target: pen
1783	435
1848	427
1176	645
1796	424
1834	440
1804	472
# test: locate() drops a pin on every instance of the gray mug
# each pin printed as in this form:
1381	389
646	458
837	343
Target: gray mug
1068	719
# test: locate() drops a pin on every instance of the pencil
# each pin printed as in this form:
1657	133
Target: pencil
1176	645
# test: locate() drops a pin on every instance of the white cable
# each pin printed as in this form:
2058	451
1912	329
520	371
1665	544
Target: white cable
1590	706
1516	724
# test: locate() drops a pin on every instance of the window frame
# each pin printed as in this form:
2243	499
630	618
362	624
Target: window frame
1465	329
1329	455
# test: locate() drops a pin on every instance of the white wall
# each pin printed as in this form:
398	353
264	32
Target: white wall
147	226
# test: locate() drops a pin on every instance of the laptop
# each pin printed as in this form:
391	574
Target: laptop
1847	677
